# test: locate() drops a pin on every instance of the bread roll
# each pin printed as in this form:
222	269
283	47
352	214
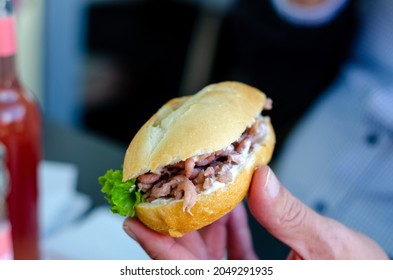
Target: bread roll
190	127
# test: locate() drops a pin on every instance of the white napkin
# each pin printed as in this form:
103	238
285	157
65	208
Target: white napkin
59	202
99	236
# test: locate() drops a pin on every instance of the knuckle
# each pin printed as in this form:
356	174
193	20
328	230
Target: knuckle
294	214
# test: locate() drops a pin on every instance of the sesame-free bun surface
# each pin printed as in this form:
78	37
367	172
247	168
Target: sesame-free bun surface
202	123
169	218
192	125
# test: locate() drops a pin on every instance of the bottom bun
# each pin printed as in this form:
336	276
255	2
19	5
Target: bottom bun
170	219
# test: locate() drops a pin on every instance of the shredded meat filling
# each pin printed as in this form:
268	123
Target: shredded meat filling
186	179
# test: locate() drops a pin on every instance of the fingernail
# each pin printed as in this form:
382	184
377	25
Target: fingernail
272	186
128	230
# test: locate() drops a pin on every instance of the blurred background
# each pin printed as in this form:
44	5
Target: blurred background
101	68
88	61
106	66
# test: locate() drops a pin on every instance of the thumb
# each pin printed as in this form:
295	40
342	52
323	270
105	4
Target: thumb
310	235
285	217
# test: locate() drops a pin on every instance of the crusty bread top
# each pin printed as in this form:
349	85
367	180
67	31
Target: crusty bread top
193	125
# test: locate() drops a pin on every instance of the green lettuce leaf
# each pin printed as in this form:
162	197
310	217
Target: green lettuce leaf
123	197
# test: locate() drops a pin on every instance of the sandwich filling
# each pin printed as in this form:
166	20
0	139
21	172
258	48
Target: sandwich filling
200	174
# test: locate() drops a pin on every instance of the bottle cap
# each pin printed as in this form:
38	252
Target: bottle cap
7	29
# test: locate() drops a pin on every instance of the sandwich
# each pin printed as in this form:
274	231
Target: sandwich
192	162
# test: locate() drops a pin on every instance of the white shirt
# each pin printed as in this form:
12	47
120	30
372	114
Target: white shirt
308	15
339	159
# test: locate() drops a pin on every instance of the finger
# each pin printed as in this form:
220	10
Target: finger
156	245
215	238
293	256
239	236
195	244
286	218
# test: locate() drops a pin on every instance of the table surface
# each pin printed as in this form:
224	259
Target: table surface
92	154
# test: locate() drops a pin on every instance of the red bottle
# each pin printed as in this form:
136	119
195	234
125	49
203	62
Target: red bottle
20	132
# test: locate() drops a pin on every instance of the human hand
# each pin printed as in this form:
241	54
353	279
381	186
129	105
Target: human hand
228	237
308	234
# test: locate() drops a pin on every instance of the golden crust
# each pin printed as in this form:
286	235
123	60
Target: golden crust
170	218
182	127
